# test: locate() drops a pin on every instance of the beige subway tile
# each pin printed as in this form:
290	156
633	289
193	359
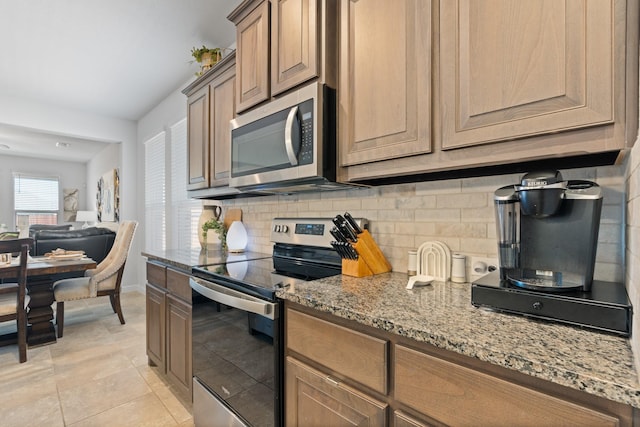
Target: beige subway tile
379	203
460	230
611	214
609	252
437	215
396	215
610	233
462	200
486	214
579	173
488	184
399	190
416	202
411	228
449	186
477	245
346	205
608	272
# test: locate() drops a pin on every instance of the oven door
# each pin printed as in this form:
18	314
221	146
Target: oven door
237	357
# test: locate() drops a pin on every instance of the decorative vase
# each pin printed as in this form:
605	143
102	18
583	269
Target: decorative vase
208	212
208	61
237	237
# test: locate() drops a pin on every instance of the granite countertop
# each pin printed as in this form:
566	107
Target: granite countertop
441	314
186	258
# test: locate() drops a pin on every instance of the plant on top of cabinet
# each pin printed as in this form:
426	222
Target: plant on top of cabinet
206	57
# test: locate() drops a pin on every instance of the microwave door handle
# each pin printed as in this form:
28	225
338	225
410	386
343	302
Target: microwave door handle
234	299
288	142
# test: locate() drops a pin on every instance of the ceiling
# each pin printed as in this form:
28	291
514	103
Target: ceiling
113	58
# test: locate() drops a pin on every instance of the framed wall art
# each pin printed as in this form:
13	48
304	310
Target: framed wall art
108	197
70	204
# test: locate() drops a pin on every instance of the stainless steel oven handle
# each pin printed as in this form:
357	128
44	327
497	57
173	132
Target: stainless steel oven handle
288	130
234	298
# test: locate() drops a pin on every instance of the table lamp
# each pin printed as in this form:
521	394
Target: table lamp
86	217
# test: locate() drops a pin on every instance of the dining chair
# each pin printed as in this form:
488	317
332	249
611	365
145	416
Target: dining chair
13	298
104	280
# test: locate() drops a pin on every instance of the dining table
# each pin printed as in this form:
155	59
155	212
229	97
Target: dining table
42	272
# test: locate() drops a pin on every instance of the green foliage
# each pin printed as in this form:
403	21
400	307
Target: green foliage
197	53
218	227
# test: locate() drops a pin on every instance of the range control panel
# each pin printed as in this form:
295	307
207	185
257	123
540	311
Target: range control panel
306	231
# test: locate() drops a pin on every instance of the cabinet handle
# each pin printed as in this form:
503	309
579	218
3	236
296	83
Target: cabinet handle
288	130
332	381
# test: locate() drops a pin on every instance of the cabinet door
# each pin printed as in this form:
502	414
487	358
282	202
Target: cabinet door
198	139
315	399
223	107
252	39
156	326
512	69
294	43
456	395
384	79
179	343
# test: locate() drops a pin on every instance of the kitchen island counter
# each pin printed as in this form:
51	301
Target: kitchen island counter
441	314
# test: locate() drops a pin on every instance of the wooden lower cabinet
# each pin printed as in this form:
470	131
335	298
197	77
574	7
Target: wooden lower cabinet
169	325
326	384
179	343
156	308
457	395
316	399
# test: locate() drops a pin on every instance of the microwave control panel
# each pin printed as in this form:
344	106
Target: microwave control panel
306	132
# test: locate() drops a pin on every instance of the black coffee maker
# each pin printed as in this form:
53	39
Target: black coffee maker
547	237
547	231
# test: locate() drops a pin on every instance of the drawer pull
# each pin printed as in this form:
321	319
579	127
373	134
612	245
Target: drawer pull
332	381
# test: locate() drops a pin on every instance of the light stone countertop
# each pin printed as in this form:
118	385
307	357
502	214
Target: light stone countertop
441	314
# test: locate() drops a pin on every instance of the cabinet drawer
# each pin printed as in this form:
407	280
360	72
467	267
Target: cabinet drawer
315	399
157	274
456	395
344	351
178	284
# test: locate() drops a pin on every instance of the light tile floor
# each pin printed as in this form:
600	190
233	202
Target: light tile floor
96	375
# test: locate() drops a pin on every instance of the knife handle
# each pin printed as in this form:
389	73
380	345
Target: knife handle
352	222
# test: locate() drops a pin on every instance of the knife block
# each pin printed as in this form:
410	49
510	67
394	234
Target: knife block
370	260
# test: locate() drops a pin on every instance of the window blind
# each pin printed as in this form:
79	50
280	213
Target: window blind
155	195
185	212
35	194
36	199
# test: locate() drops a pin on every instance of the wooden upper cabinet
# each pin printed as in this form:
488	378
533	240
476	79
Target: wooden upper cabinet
198	137
384	80
252	39
223	106
512	69
294	43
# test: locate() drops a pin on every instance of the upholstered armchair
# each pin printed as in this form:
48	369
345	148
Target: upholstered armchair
104	280
13	298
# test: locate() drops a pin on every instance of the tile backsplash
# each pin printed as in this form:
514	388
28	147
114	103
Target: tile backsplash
458	212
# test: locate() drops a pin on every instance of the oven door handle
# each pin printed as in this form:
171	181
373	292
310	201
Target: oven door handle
234	298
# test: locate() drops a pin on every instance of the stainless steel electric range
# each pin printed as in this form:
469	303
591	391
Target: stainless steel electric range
237	328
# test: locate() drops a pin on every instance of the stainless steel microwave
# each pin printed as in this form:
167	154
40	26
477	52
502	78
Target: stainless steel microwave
287	145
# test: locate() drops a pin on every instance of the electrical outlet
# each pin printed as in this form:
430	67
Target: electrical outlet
483	265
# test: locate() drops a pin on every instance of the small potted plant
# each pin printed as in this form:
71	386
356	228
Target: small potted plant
218	227
206	57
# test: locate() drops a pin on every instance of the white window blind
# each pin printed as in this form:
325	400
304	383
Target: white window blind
36	199
154	187
185	212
